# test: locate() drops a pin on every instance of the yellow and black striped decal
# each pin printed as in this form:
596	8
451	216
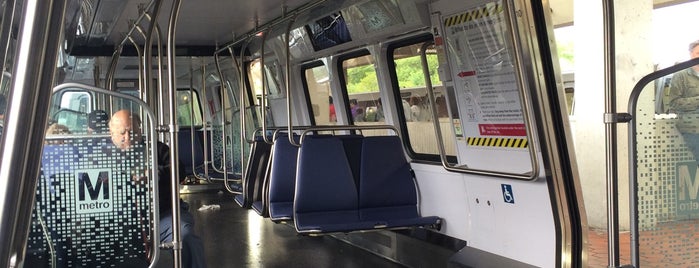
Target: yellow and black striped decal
473	15
498	142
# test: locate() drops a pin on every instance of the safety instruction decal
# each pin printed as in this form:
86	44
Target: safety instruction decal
473	15
485	79
498	142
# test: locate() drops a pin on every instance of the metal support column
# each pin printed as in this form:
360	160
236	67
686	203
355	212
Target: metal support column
611	133
38	43
174	159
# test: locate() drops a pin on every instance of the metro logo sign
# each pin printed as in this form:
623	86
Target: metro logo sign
687	190
93	192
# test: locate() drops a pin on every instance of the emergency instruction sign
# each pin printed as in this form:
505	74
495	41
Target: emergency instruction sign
490	107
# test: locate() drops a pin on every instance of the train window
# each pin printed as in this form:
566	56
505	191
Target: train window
363	91
317	84
127	104
417	111
76	101
272	85
188	108
73	109
272	74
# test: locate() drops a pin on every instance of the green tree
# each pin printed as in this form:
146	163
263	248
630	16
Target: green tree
363	79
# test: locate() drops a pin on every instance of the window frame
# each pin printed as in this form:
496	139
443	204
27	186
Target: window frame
343	80
306	93
395	90
200	111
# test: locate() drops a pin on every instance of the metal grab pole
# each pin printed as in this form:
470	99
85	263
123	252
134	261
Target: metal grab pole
7	18
611	134
157	106
38	43
263	101
221	91
139	54
244	89
109	76
148	55
287	84
224	157
204	125
174	158
241	111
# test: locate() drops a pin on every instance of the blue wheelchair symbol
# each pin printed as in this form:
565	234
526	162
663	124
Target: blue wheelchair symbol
507	194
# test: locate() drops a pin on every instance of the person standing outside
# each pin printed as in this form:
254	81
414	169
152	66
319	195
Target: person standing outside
684	100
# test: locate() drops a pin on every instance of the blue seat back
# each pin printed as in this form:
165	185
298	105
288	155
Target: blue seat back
282	178
190	159
256	171
352	145
324	180
386	179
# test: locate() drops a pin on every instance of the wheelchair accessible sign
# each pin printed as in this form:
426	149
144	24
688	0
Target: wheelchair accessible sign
507	195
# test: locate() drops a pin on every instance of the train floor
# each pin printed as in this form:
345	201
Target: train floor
237	237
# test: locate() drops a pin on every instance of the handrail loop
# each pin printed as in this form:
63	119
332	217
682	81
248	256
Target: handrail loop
633	157
222	88
241	107
224	156
161	83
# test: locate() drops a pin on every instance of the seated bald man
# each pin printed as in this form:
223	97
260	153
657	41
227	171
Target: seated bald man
125	131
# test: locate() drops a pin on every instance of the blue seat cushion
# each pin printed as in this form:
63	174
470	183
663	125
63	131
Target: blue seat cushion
279	211
258	207
330	221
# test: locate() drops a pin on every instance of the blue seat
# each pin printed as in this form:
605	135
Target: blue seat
282	179
387	190
192	146
326	195
352	183
254	176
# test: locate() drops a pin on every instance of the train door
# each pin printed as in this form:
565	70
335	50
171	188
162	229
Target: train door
513	145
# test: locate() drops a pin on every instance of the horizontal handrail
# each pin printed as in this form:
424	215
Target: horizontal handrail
348	127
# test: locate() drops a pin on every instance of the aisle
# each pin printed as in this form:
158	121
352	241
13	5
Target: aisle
235	237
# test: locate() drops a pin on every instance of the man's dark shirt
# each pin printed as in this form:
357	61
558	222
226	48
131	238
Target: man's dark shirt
135	163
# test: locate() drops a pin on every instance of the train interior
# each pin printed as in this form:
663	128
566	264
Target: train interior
358	133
